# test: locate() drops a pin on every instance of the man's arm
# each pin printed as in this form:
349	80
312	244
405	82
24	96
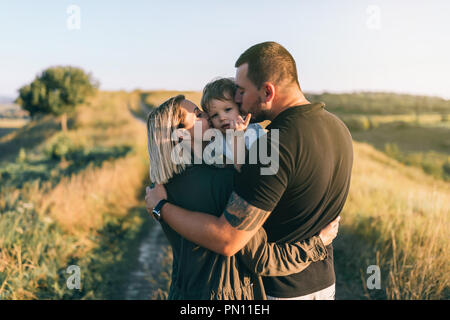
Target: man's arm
282	259
225	235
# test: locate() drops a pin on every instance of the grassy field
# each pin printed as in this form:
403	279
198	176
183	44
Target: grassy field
396	217
85	210
416	141
382	103
9	125
155	98
397	214
77	199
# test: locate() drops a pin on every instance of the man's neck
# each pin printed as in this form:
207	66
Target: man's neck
287	100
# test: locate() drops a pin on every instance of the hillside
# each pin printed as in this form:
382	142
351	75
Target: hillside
396	217
88	210
72	199
366	103
380	103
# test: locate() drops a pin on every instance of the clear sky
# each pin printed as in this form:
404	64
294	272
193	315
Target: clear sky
339	46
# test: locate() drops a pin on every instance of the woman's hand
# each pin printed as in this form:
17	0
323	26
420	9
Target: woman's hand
153	196
330	232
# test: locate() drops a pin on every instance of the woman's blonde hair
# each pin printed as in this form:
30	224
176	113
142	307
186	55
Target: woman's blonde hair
161	123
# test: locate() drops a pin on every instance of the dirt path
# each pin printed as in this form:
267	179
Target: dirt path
149	273
144	280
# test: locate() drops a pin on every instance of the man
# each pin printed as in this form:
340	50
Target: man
306	193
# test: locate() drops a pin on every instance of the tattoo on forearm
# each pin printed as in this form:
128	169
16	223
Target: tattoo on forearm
242	215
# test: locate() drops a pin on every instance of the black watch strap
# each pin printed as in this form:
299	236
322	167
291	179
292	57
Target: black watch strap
157	210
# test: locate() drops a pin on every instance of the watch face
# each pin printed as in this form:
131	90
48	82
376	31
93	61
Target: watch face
156	214
157	210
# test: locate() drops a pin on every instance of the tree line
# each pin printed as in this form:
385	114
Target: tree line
379	103
59	90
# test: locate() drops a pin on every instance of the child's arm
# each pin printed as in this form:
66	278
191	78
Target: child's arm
239	125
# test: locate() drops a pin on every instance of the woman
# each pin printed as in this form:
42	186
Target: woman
199	273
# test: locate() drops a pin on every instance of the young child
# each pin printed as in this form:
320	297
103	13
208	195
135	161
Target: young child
218	102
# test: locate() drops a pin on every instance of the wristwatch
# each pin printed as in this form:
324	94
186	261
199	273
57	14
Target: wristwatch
157	210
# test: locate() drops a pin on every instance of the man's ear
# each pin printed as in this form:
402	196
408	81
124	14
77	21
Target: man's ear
268	92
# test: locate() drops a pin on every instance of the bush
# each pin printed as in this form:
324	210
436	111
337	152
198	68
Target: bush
373	123
432	168
60	147
22	157
392	150
446	170
429	162
405	124
414	159
58	91
357	123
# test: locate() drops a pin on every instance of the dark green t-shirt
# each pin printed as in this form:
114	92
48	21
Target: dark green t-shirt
307	192
199	273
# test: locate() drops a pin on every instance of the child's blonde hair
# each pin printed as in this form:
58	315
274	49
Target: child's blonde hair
219	89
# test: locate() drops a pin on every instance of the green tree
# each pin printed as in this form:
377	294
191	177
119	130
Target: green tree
58	91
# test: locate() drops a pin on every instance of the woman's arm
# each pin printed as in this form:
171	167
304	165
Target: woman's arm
272	259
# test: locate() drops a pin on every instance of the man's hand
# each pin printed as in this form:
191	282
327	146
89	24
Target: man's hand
153	196
330	232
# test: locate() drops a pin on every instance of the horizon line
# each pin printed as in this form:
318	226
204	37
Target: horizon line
11	98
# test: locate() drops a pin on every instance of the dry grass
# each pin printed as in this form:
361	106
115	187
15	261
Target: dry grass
429	118
29	136
110	189
45	227
408	138
155	98
403	214
398	212
13	123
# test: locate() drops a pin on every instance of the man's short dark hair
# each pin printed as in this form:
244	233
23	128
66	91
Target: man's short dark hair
219	89
269	62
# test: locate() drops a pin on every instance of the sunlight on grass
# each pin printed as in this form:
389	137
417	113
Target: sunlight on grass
403	214
77	198
51	219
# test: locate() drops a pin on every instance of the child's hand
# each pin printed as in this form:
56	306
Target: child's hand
240	124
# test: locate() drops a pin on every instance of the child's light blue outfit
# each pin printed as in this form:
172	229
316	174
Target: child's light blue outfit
254	132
